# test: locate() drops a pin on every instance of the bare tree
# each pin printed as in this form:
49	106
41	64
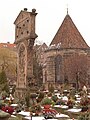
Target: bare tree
8	62
75	66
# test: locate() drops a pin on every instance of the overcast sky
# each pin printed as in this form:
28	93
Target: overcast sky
50	16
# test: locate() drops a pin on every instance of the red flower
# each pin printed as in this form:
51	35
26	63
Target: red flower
4	109
8	109
48	110
47	106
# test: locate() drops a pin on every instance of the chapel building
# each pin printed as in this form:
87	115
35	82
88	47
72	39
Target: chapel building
68	57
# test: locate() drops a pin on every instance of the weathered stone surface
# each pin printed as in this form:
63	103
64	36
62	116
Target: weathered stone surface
24	38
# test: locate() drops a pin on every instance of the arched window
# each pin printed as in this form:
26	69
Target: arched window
58	68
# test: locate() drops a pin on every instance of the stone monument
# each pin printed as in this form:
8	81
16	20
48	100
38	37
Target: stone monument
24	39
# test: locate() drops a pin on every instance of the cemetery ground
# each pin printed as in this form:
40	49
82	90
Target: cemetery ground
47	104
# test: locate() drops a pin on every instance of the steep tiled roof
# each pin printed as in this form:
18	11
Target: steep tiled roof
68	35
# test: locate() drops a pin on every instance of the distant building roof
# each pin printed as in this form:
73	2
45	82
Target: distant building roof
40	47
68	35
7	45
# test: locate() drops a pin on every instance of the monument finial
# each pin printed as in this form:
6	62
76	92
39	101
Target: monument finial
67	9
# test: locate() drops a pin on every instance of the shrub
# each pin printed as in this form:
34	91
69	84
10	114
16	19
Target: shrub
54	98
35	108
41	95
85	101
47	101
84	116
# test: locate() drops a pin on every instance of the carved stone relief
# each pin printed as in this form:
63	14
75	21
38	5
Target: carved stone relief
22	63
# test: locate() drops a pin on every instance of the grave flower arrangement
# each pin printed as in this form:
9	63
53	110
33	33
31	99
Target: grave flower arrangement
48	111
60	102
84	116
7	109
47	101
36	109
70	103
84	103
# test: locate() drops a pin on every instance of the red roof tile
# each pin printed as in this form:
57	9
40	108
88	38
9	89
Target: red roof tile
7	45
68	35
